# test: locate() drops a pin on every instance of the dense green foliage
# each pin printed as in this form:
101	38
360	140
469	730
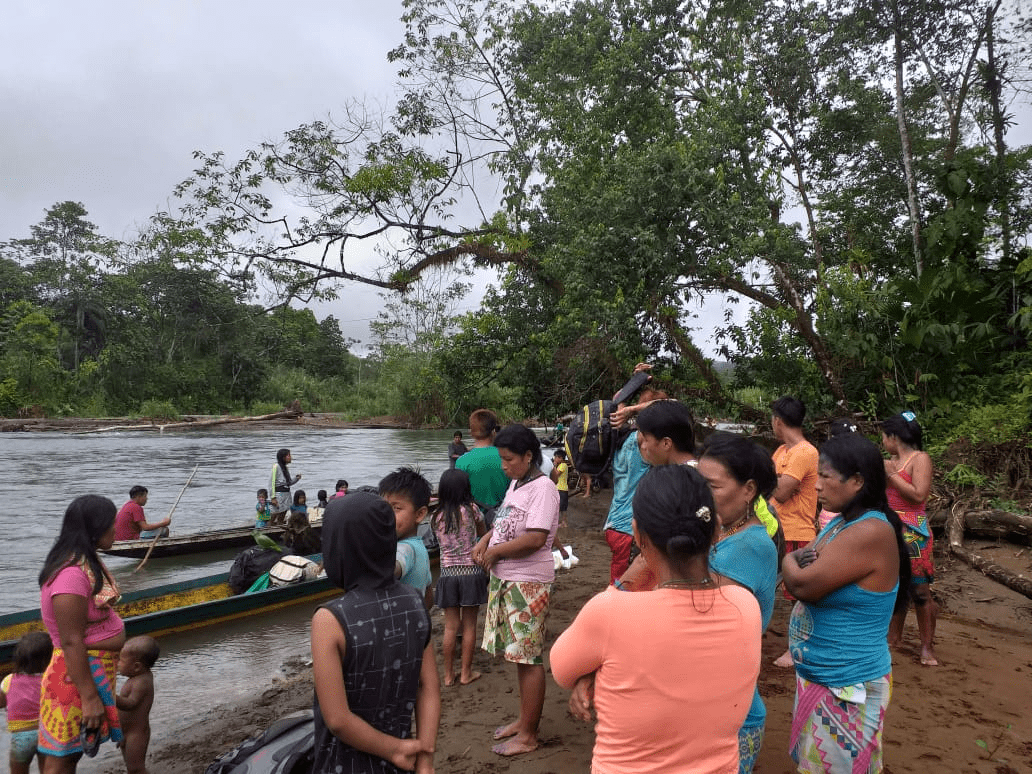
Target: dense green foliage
90	326
834	179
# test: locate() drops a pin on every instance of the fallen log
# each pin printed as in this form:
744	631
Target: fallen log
292	414
991	524
955	535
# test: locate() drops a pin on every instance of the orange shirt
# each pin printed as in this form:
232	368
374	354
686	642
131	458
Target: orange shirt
675	675
797	514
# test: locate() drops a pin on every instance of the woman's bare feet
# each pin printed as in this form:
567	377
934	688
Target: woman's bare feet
473	677
784	661
504	732
449	681
928	657
514	746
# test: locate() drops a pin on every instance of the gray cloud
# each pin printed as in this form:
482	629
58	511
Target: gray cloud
105	102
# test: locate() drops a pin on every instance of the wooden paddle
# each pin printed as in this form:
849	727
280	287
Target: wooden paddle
156	537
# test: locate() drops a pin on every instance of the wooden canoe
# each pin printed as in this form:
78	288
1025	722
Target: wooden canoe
199	542
177	607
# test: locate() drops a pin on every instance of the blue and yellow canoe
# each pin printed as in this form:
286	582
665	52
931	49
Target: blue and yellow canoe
177	607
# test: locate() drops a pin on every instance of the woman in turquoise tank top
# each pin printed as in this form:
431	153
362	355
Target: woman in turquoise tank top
848	582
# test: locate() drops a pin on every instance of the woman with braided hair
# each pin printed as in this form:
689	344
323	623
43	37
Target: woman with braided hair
688	649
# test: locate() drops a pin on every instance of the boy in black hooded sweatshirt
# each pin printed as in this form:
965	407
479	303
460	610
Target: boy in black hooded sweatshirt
371	651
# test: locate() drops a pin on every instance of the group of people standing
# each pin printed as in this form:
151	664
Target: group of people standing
495	539
706	527
852	578
699	528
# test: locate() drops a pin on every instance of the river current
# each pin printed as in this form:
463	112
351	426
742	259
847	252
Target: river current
196	669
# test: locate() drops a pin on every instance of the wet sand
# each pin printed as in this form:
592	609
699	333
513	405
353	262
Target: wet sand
935	721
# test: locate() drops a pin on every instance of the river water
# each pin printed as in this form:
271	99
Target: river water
196	669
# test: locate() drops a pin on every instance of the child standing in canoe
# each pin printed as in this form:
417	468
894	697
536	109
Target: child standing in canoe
263	510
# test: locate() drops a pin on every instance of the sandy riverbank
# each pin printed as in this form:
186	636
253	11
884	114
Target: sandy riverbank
935	721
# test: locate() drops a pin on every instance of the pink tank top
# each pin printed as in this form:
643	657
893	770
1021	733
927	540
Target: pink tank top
22	701
912	516
102	622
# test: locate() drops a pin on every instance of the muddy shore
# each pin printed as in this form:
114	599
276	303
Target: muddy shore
938	720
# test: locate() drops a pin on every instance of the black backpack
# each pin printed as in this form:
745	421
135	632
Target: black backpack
251	564
591	439
285	747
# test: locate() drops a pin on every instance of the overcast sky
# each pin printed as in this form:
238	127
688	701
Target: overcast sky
104	102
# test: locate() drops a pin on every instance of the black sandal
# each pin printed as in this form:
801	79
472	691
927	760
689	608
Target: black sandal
89	738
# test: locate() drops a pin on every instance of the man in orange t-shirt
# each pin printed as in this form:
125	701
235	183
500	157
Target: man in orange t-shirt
795	497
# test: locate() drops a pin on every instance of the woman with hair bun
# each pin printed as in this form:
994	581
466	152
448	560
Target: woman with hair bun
908	479
689	649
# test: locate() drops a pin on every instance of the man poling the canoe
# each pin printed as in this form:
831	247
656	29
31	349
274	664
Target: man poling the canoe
168	519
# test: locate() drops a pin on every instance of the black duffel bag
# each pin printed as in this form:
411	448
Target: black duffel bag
250	565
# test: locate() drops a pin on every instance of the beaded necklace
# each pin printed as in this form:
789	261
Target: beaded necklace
686	583
736	526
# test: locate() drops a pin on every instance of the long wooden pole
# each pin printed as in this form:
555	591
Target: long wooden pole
158	536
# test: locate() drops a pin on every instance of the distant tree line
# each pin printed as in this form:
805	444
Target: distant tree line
93	326
840	170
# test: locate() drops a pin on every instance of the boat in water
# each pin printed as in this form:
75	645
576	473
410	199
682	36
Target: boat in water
177	607
199	542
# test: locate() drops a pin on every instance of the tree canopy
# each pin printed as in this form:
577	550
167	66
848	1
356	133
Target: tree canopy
834	178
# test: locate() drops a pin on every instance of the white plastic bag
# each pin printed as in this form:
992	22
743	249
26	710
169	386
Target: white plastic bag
568	562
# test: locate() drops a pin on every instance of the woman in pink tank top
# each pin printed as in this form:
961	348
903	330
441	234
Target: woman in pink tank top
77	598
908	479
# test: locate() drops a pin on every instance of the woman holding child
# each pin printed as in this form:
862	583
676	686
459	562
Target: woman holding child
517	552
847	581
675	668
77	597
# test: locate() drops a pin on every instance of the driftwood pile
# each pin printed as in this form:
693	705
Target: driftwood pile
994	524
197	423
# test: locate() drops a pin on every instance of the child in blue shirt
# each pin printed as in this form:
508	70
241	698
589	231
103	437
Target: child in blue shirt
263	509
300	505
408	494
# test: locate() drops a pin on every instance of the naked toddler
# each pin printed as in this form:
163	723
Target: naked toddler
135	698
